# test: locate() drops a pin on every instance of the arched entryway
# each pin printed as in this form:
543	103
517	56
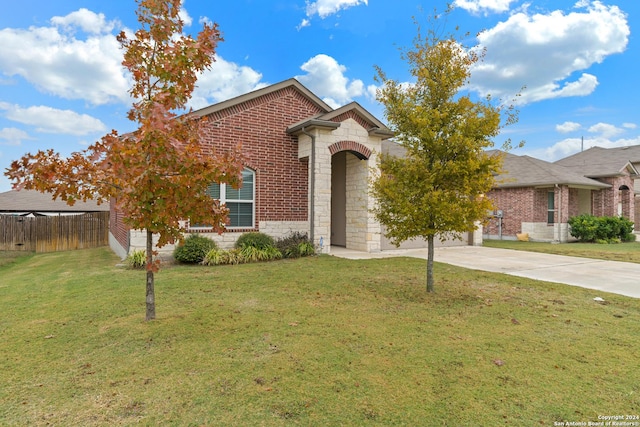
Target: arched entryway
339	199
348	179
624	201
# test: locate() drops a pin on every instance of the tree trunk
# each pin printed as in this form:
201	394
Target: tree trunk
430	263
151	295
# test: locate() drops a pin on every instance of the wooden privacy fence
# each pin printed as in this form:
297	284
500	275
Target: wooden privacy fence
54	233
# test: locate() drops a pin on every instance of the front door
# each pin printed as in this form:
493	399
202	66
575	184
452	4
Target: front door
339	199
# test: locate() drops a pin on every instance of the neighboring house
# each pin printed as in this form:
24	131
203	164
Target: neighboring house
307	170
537	198
33	221
615	166
34	203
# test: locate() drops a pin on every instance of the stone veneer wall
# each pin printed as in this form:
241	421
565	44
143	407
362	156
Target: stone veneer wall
363	232
275	229
359	235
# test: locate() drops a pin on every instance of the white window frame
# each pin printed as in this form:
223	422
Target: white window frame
224	201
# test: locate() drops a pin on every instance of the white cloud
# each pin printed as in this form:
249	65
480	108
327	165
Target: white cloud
567	127
325	8
325	77
372	92
184	15
483	6
13	136
304	23
52	120
569	146
205	20
548	53
87	21
223	81
629	125
60	64
606	130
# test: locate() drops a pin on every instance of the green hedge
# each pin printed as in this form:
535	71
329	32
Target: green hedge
193	249
256	240
601	229
255	247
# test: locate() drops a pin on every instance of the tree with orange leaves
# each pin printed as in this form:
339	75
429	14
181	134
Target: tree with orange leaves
159	173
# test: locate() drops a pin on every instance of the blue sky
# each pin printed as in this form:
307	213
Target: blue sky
62	85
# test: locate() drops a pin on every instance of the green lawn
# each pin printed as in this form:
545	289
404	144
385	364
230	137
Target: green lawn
628	252
10	257
314	341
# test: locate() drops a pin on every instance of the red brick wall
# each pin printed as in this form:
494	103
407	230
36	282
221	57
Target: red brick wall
260	126
517	205
605	202
541	204
117	227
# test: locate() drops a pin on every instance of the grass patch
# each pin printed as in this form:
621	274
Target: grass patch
627	252
10	257
311	341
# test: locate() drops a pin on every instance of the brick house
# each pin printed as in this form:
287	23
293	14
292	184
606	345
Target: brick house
538	198
307	170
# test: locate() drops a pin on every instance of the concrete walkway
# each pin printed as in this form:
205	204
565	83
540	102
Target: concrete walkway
609	276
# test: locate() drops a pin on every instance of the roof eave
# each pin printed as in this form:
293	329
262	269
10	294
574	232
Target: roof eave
262	92
544	184
299	128
382	133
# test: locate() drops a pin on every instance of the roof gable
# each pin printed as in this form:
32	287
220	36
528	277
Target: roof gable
601	162
332	119
526	171
254	96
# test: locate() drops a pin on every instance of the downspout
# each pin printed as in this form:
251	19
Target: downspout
312	185
559	214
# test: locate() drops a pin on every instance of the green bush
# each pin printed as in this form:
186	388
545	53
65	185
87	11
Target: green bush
241	255
256	247
137	258
295	245
255	239
193	249
254	254
214	257
603	229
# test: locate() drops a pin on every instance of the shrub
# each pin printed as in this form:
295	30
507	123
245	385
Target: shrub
255	239
193	249
241	255
295	245
214	257
306	249
137	258
253	254
233	256
604	229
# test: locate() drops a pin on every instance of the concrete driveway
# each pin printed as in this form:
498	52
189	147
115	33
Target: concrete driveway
609	276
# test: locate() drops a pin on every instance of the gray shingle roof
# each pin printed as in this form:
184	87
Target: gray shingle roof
526	171
391	147
599	162
34	201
